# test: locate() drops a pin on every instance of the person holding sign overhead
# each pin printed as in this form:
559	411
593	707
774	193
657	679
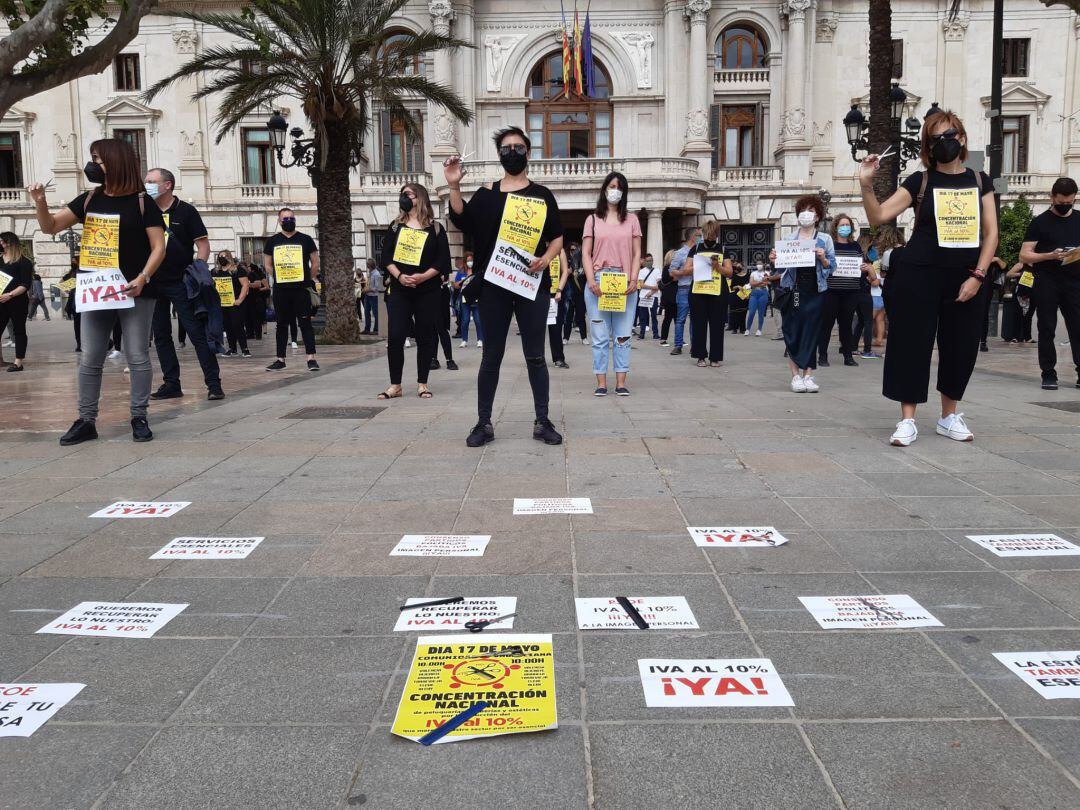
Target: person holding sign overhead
516	231
416	256
16	278
291	259
935	283
841	298
709	296
123	244
806	261
611	256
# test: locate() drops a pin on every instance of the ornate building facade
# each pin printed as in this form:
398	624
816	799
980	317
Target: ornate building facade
712	109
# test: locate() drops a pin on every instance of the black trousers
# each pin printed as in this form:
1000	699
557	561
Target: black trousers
864	322
293	306
255	315
838	307
555	338
670	307
708	318
235	326
497	307
442	326
921	304
1054	290
412	312
173	295
738	319
575	311
14	312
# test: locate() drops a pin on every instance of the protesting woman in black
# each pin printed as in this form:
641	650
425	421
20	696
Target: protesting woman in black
517	216
709	299
841	299
935	283
417	258
16	278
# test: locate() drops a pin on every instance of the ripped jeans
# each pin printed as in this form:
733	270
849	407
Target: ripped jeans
610	333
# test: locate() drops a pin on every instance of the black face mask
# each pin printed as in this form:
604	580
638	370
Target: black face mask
405	203
1062	209
514	163
94	173
946	150
288	224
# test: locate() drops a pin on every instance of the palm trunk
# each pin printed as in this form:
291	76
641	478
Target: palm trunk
335	239
881	132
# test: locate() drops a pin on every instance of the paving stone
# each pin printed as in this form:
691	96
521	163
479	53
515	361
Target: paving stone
216	607
639	552
411	517
27	604
276	556
854	513
766	510
908	550
20	553
806	552
287	518
771	601
1058	736
363	555
1061	588
1056	510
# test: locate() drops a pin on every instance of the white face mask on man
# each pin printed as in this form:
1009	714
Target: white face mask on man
807	219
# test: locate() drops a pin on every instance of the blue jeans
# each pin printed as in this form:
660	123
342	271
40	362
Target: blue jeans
682	310
471	311
371	313
756	305
610	332
174	293
644	314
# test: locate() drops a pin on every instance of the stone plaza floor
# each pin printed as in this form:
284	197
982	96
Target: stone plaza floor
277	686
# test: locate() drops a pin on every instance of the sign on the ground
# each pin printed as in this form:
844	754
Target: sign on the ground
141	509
514	674
207	548
661	612
454	615
868	612
553	506
1025	545
711	682
736	536
25	707
114	619
441	545
1054	675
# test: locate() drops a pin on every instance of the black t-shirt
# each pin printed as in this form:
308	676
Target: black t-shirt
923	247
1049	232
183	226
404	243
846	283
286	255
710	247
21	272
240	273
133	243
483	215
255	273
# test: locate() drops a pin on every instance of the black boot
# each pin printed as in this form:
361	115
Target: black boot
83	430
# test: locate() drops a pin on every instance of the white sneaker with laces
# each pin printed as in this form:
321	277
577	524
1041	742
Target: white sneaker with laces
408	343
464	344
954	427
757	333
479	344
797	385
811	386
294	345
906	433
114	354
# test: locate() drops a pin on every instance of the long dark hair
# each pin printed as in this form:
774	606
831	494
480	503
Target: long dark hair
122	174
602	203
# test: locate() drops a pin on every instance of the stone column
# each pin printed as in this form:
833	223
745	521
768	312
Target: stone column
443	125
795	146
952	78
700	86
654	235
1072	101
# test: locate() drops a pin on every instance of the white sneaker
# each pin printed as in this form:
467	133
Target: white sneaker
757	333
114	354
8	344
811	386
566	342
127	370
479	344
408	343
798	385
294	345
584	341
906	433
464	344
955	428
746	334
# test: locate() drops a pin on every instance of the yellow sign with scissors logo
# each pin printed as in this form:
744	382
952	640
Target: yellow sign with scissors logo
100	249
410	246
956	211
523	222
613	292
225	290
288	263
555	269
716	285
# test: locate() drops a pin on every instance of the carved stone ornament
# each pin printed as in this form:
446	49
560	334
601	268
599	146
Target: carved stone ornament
497	47
444	128
639	44
442	14
793	124
1075	129
697	124
956	28
823	134
827	24
186	40
796	9
697	11
65	148
191	145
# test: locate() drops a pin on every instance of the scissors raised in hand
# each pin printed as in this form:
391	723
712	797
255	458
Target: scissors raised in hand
476	625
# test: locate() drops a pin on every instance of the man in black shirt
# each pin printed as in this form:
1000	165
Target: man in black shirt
1050	236
185	235
291	259
256	304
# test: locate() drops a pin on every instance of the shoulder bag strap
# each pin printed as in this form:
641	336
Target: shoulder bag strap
922	193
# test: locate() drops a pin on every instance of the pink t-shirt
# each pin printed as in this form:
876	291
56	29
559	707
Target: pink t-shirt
613	243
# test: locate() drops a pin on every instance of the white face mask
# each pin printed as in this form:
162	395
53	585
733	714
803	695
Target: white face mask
613	195
468	264
153	191
807	218
760	267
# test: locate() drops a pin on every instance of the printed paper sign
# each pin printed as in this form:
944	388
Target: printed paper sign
288	263
1027	279
737	537
64	286
670	682
795	253
141	509
552	506
661	612
114	619
410	246
708	280
1072	256
101	289
454	616
100	245
1025	545
5	279
441	545
1054	675
515	674
868	612
847	266
207	548
523	222
555	271
612	292
956	211
553	312
224	287
509	269
25	707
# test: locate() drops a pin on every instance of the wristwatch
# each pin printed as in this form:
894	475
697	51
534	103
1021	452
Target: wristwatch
977	272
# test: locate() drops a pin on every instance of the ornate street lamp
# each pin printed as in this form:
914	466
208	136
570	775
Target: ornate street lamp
905	134
303	151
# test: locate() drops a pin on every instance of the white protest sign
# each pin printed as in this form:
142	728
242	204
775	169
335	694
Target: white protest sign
24	707
711	682
114	619
552	506
661	612
441	545
1054	675
868	612
207	548
1025	545
5	279
703	266
509	269
736	537
454	615
795	253
101	289
553	312
141	509
847	266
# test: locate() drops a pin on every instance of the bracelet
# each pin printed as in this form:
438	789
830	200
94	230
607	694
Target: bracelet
978	273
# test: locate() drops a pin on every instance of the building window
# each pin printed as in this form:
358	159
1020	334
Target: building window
1014	57
563	124
898	58
253	68
741	46
258	158
415	66
735	134
137	139
1014	144
126	69
251	249
11	175
402	151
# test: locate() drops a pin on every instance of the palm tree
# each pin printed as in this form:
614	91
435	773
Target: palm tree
880	63
329	55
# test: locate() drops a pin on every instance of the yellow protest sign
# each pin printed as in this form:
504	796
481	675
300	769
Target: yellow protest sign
743	293
513	674
716	285
65	286
523	222
225	290
555	269
410	246
100	248
165	215
288	263
1027	279
613	292
956	211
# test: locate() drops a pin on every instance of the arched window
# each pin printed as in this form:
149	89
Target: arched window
397	39
741	46
563	124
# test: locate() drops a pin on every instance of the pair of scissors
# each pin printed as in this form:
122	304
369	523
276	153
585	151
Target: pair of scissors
476	625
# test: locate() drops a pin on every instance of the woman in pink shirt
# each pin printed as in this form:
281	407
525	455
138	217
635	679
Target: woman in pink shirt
611	244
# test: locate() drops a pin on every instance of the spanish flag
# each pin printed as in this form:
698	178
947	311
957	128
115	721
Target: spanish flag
578	78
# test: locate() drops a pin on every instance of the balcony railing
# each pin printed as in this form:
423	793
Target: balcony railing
392	181
750	79
260	192
13	196
589	169
748	176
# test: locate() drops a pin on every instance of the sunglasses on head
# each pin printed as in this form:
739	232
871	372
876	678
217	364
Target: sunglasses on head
948	134
517	148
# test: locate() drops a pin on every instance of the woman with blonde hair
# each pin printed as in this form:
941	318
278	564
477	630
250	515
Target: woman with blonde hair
417	259
14	296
